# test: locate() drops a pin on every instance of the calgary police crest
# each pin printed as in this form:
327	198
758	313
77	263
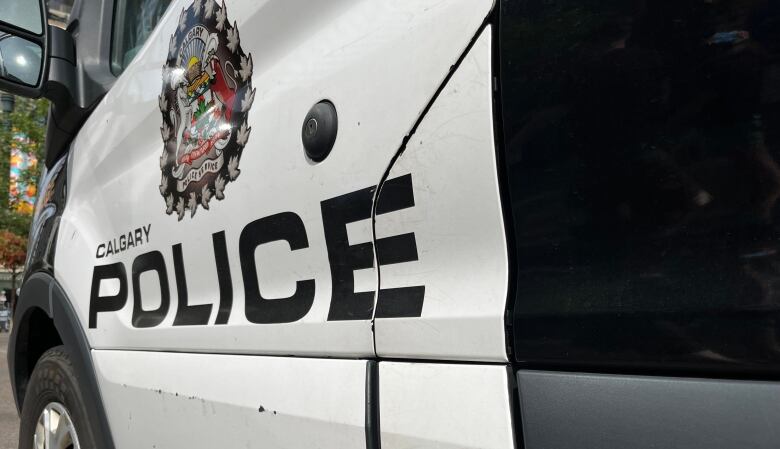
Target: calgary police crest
205	100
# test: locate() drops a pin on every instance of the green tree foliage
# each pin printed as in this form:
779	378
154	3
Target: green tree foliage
13	250
28	119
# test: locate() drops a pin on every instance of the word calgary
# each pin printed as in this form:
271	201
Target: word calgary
130	239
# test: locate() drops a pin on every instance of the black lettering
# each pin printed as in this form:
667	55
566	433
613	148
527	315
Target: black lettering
139	236
151	261
113	303
396	194
146	229
223	275
122	242
110	249
404	302
285	226
186	314
130	240
396	249
344	258
98	254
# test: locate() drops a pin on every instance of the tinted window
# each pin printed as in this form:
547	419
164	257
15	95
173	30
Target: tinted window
642	143
134	21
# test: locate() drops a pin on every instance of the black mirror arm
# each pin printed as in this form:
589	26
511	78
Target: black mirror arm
69	108
60	85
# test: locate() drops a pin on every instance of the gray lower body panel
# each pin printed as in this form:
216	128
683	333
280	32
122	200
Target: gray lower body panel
583	411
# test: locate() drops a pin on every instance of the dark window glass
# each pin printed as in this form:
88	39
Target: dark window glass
134	21
642	144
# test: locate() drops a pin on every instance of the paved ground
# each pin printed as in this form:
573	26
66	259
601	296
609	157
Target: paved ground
9	421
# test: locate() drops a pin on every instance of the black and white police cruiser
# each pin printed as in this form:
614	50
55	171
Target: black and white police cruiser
440	224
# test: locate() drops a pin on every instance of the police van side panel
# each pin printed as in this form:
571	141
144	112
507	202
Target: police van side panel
116	211
183	242
461	269
445	299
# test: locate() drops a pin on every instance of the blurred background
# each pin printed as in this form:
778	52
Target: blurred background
22	136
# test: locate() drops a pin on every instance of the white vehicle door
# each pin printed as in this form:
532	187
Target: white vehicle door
447	299
444	274
196	223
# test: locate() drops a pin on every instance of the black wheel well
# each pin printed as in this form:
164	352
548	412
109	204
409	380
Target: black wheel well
45	318
36	333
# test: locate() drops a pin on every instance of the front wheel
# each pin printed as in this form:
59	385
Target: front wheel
53	413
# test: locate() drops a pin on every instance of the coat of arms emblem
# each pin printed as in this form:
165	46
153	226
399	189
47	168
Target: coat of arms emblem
205	100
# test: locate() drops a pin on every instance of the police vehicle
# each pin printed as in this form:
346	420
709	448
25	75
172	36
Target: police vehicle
401	224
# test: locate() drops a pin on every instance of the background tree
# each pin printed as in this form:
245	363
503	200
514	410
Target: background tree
25	130
13	251
22	129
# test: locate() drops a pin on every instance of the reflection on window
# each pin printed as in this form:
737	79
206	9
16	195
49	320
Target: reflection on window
134	21
59	12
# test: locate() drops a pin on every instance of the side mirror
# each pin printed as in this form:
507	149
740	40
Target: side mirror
37	59
23	45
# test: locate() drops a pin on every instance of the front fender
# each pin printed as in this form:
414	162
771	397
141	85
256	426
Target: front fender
42	293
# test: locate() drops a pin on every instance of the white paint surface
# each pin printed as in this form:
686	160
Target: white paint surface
458	225
173	401
442	406
378	62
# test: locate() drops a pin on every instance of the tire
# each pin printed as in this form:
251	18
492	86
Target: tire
54	386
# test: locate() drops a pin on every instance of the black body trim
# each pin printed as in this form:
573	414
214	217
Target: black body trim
373	435
602	411
515	411
80	85
503	180
41	292
46	220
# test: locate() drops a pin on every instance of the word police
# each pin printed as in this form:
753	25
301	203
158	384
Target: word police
344	259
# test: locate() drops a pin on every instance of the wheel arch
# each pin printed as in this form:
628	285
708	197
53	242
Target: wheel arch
45	318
